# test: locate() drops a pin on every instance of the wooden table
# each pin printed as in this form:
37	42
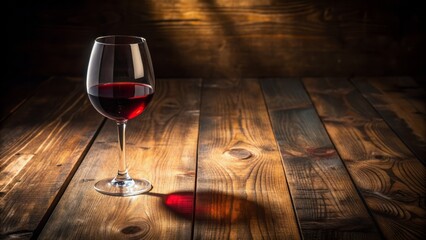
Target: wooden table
312	158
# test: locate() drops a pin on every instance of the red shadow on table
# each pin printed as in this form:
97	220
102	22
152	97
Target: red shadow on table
210	206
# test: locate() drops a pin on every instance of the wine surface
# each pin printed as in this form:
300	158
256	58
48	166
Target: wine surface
120	101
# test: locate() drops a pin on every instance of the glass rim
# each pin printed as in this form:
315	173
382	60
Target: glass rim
137	39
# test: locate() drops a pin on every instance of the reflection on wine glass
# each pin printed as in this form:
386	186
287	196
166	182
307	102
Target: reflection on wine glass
120	84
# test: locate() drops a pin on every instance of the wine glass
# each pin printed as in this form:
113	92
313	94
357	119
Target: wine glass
120	84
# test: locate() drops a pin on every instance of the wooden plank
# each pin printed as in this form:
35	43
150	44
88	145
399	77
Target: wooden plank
227	38
325	198
400	101
41	146
421	81
387	174
161	147
241	187
15	92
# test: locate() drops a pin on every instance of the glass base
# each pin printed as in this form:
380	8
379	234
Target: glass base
130	187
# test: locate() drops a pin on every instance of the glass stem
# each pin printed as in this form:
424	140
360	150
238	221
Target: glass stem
122	177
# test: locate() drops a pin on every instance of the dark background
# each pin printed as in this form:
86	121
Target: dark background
223	38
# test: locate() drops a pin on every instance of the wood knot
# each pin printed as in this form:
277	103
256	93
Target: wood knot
321	152
131	230
379	156
136	230
240	153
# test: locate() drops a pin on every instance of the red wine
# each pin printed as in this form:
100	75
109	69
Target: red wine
120	101
180	203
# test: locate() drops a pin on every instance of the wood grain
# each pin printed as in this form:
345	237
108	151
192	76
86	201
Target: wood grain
161	147
241	187
400	101
15	91
248	38
41	145
387	174
327	203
